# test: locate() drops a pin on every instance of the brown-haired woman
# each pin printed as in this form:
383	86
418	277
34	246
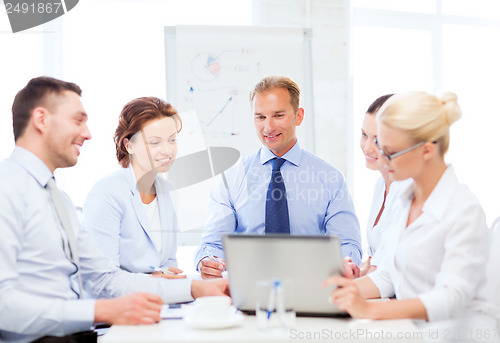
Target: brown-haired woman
130	213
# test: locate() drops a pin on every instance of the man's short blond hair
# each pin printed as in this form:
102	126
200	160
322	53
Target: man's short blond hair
272	82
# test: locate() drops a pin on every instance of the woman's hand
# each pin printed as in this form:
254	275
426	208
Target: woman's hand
366	267
347	297
170	273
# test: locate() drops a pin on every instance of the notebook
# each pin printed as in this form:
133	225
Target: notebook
306	260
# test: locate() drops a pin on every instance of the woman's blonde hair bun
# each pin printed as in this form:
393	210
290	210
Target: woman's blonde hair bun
451	109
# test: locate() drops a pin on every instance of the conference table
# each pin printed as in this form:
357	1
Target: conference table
305	329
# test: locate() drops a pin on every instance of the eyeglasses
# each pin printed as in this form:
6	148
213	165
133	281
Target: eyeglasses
399	153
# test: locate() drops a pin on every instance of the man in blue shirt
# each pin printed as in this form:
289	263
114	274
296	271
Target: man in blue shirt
44	256
317	197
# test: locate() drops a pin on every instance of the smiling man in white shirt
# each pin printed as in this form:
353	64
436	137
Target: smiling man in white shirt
42	263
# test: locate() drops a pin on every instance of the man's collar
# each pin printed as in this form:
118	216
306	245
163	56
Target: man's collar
294	155
32	164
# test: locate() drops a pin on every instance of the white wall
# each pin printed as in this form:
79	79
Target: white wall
329	20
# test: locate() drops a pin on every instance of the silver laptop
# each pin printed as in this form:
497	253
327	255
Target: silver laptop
306	260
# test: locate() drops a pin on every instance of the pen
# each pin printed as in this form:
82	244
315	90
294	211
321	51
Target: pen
165	271
212	257
272	295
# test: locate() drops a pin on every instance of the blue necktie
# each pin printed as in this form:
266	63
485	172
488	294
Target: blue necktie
276	205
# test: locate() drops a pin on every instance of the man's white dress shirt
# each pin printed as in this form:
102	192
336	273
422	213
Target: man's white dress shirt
36	277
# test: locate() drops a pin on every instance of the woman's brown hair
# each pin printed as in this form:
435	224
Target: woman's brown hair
134	117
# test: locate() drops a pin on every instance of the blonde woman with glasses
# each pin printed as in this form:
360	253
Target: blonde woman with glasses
438	243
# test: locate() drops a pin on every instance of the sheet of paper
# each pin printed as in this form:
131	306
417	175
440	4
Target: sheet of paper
172	312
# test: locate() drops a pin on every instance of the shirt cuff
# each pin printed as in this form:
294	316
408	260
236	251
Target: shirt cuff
382	282
78	315
433	303
177	291
198	259
351	251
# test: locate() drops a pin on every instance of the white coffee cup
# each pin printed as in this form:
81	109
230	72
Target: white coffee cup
213	307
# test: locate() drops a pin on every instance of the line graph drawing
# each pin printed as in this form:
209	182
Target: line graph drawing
220	111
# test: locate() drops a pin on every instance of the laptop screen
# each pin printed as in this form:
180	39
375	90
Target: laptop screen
305	260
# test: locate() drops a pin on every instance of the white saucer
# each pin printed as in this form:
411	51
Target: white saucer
211	323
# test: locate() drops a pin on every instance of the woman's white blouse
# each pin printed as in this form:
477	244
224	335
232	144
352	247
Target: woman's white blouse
153	216
441	256
374	233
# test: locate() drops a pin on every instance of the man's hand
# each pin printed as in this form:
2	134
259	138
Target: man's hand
204	288
351	269
136	308
211	269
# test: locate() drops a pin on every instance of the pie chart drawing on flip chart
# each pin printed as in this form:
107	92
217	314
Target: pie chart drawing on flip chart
200	166
212	69
27	14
